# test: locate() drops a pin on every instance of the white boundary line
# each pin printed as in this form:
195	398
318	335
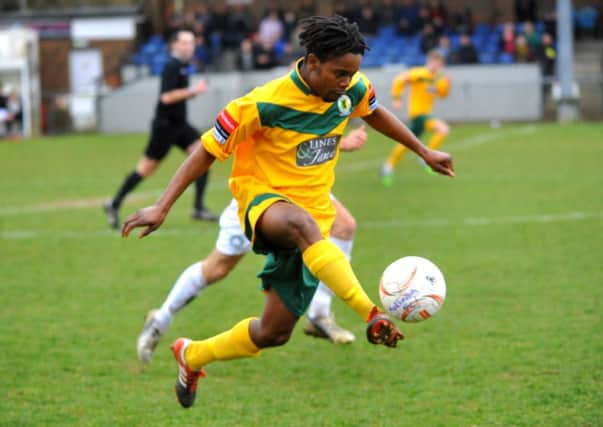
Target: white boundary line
389	224
366	164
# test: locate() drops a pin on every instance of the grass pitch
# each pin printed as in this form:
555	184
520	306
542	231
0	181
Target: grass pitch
519	341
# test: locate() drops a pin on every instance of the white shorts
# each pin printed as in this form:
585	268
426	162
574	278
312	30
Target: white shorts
231	239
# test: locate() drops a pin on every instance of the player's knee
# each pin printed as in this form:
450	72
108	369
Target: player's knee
344	227
302	227
272	337
444	129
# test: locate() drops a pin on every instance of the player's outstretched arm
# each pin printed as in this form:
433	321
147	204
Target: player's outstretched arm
152	217
385	122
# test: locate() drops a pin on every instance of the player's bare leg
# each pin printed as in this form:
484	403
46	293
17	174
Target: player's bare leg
285	225
320	321
245	339
190	283
145	168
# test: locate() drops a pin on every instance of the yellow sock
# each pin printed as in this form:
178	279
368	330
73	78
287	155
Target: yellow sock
396	155
328	263
436	140
233	344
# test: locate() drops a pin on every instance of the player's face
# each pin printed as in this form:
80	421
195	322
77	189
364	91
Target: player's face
329	79
184	46
435	65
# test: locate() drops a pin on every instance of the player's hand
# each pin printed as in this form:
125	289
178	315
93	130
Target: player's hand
200	87
397	104
354	140
439	162
151	218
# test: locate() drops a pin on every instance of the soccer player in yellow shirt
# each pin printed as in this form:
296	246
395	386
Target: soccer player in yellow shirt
424	85
284	137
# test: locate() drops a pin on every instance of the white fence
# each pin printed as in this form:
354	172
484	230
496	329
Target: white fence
479	93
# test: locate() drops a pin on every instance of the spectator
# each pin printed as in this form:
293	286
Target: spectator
387	13
264	56
289	24
522	49
525	10
424	18
246	60
408	18
437	10
507	39
531	36
546	55
461	20
237	27
15	122
429	39
342	9
550	23
271	30
368	22
202	56
466	53
444	48
306	9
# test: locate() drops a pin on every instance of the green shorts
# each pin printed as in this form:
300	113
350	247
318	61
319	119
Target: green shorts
417	124
284	270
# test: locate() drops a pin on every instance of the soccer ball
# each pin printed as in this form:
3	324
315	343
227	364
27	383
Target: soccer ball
412	289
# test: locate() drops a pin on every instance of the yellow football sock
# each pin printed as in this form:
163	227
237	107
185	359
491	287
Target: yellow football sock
396	155
233	344
328	263
436	140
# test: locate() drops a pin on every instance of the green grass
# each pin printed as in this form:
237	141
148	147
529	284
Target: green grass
519	341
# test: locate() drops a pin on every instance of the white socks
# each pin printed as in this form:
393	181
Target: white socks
187	287
321	303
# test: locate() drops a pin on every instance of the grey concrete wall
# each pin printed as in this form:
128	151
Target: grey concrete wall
478	93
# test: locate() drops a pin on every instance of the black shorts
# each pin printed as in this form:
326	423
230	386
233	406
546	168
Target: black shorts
165	133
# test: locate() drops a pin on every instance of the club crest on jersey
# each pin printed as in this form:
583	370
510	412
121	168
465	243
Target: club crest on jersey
224	126
344	105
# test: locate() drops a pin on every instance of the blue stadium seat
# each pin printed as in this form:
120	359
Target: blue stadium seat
487	58
505	58
586	18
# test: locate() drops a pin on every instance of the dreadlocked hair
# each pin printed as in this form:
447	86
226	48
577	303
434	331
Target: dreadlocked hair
331	37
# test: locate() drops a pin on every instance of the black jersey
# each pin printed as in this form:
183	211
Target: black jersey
174	76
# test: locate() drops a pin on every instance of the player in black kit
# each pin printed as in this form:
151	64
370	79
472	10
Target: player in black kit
169	127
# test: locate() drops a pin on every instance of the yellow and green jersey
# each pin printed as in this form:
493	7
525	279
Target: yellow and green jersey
424	86
285	140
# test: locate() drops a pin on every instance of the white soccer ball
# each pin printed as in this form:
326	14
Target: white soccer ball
412	289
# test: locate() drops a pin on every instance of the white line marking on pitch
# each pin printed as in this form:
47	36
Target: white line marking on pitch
96	202
392	224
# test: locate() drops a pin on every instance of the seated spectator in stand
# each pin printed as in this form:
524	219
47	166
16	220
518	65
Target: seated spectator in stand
531	36
424	18
368	22
429	40
264	56
546	55
444	48
271	30
461	20
246	59
466	53
237	27
408	18
387	13
289	24
306	9
525	10
202	55
438	15
507	39
522	49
